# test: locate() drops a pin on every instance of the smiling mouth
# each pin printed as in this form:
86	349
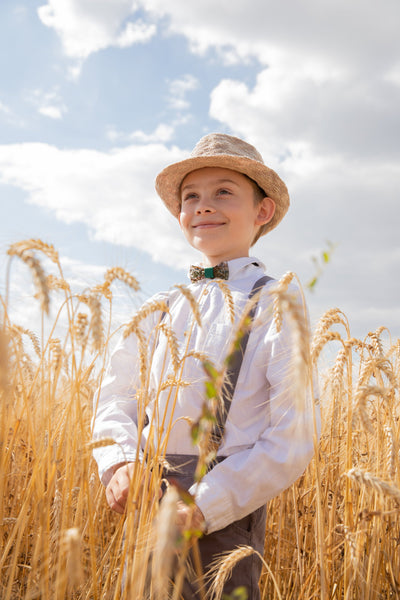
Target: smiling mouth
210	225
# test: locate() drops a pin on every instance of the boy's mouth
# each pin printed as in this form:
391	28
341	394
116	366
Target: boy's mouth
207	225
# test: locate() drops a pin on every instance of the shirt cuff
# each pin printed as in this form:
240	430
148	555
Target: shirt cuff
215	504
106	462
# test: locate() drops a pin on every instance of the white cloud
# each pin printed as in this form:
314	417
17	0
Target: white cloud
5	109
112	193
179	88
53	112
346	118
48	104
355	33
135	33
8	115
163	133
85	26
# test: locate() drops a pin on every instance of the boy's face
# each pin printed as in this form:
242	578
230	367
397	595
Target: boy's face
219	216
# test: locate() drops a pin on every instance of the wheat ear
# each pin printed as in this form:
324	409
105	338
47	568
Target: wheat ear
122	275
363	478
228	298
221	570
360	400
145	311
72	544
166	537
279	289
172	344
320	341
26	245
192	301
96	322
38	275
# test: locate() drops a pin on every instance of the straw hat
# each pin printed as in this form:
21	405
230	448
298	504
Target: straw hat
228	152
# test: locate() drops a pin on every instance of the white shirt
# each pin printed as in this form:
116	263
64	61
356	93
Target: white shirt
268	439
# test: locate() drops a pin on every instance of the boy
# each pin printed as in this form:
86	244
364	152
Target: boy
224	198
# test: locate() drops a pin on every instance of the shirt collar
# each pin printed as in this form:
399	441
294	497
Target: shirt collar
238	267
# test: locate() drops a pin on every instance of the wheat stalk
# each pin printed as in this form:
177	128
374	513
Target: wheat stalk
4	365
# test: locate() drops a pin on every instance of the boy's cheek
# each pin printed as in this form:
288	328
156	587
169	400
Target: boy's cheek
183	220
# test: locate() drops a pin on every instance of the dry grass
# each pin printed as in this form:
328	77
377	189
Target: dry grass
333	534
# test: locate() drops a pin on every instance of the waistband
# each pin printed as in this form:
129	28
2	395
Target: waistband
181	467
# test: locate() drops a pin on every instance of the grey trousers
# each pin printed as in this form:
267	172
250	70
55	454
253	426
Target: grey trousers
249	531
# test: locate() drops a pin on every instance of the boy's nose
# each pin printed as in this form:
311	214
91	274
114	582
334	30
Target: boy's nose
204	206
204	209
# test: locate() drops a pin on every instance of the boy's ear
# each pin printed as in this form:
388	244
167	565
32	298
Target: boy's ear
266	210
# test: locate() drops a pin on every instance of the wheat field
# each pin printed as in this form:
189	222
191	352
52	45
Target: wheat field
334	534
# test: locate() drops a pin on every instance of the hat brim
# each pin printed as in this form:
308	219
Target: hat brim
168	182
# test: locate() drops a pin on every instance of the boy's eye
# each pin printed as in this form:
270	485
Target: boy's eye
223	191
189	196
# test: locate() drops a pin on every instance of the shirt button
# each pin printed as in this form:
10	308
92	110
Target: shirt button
205	292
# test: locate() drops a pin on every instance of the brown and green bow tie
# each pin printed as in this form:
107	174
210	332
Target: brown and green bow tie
221	271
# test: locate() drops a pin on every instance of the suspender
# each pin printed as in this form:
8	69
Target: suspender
232	374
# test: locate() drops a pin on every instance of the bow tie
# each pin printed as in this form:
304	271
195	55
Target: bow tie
221	271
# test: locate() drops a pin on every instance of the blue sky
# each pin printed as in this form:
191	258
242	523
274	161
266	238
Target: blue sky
96	97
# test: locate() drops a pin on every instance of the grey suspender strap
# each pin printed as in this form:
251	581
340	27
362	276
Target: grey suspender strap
232	374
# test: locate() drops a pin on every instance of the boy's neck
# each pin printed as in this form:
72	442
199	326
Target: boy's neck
213	261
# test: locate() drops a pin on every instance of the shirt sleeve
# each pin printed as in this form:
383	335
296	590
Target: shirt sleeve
115	410
247	479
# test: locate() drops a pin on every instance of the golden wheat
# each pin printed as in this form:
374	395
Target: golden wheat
385	489
145	311
280	288
228	298
166	541
192	301
26	245
222	568
333	534
38	276
122	275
